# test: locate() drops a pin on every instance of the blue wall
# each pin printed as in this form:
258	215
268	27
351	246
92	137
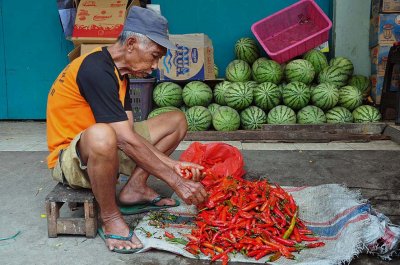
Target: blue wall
33	49
223	21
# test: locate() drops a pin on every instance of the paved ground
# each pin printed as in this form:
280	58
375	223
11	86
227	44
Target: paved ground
371	167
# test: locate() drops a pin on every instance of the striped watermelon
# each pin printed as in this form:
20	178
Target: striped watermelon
219	92
338	115
334	75
264	70
366	113
198	118
226	119
350	97
311	115
197	93
267	95
213	107
343	63
158	111
251	84
296	95
281	115
168	94
317	59
325	96
239	96
246	49
300	70
238	71
252	118
362	83
216	71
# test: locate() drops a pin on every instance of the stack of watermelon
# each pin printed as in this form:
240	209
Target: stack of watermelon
257	91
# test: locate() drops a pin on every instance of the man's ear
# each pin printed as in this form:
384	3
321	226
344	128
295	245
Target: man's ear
131	42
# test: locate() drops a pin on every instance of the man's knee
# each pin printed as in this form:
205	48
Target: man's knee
180	122
100	138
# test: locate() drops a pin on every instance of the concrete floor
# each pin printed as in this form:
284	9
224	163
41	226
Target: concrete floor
26	182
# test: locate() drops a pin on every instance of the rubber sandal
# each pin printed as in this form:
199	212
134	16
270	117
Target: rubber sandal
145	207
122	238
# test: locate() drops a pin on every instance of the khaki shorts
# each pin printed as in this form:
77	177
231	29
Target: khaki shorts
70	170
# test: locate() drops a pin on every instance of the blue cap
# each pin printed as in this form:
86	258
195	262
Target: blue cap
149	23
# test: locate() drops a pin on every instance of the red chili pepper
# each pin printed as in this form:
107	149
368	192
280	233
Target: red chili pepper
275	257
250	206
169	235
262	254
315	245
296	235
306	238
283	241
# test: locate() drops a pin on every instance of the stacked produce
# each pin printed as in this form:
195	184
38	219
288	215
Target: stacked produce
255	219
257	91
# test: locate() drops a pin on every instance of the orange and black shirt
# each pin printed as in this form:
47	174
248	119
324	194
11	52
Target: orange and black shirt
89	90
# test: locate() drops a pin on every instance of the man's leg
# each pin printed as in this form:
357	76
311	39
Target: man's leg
98	150
166	131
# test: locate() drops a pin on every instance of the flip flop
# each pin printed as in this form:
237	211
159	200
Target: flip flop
145	207
122	238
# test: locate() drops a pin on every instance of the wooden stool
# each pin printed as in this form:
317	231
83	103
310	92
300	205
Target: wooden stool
61	194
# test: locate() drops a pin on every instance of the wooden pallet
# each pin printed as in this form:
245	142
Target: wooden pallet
298	133
86	225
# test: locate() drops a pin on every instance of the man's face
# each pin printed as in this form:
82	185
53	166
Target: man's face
143	59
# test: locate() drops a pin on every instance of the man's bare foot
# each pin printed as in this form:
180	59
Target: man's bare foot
120	228
142	194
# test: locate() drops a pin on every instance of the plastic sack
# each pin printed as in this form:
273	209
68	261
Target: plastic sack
222	159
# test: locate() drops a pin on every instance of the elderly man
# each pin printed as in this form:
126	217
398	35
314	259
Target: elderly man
92	137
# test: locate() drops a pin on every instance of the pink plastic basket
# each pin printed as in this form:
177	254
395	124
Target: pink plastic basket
293	30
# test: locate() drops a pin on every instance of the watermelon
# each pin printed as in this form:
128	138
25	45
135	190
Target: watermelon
296	95
325	96
251	84
252	118
158	111
226	119
246	49
267	95
317	59
338	115
198	118
238	71
334	75
213	107
300	70
239	96
311	115
216	71
366	113
168	94
362	83
350	97
264	70
219	92
281	115
197	93
343	63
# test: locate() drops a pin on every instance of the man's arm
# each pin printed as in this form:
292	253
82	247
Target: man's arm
133	146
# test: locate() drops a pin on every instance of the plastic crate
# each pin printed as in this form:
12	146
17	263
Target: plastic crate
141	92
293	30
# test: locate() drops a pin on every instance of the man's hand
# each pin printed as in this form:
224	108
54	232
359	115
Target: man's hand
190	192
189	170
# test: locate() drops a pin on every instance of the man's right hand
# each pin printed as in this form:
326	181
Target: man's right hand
189	191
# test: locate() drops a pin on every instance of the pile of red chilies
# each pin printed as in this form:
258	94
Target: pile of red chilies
250	217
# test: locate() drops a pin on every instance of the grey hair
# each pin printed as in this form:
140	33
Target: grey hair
144	41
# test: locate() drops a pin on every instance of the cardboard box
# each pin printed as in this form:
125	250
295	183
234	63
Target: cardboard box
99	21
377	84
385	6
379	57
83	49
193	60
384	29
